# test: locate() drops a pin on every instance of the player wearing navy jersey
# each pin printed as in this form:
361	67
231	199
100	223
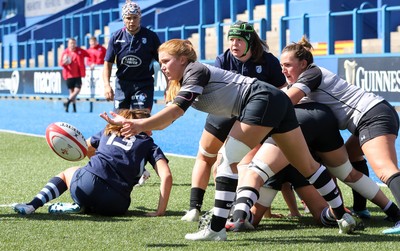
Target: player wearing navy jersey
247	56
105	184
373	122
134	49
260	109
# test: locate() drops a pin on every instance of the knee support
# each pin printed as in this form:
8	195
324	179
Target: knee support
232	152
341	172
267	195
262	169
207	154
364	186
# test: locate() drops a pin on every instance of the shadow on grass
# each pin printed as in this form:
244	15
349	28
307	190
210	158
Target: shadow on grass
129	216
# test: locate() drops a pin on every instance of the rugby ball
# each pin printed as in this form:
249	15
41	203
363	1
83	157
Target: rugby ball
67	59
66	141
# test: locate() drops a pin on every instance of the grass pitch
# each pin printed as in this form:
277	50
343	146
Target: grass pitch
27	163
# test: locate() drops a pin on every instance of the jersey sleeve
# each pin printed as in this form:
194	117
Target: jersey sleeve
110	54
309	80
95	139
195	77
156	154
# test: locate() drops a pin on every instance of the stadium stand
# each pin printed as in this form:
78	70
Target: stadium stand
26	40
34	32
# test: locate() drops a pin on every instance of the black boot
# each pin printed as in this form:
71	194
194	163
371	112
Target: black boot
66	105
74	107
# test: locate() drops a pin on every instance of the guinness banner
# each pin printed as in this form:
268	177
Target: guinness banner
380	75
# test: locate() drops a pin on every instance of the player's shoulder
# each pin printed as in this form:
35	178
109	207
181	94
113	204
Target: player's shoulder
149	33
118	33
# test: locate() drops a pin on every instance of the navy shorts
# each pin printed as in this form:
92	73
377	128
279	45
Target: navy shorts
129	95
73	83
287	174
382	119
95	195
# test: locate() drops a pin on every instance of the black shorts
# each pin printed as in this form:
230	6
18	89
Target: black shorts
266	105
95	195
380	120
129	95
319	126
219	126
73	83
287	174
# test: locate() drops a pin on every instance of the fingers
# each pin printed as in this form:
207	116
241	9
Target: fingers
104	116
128	131
109	95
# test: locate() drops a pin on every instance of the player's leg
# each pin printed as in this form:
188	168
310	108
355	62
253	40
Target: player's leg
296	151
234	149
340	167
215	131
74	91
263	204
53	189
360	164
142	97
206	157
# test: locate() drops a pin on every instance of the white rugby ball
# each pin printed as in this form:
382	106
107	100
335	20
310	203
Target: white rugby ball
66	141
67	59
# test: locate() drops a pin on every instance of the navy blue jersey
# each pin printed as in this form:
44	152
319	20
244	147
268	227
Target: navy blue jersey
134	55
120	162
269	71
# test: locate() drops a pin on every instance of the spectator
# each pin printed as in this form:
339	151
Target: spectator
73	64
97	53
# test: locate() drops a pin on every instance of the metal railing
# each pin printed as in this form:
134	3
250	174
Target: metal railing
21	54
357	26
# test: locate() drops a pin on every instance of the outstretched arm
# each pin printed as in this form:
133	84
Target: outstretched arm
165	175
158	121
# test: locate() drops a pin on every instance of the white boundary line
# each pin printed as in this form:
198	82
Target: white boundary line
42	136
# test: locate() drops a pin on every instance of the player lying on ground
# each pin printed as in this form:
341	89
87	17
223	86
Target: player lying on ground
105	184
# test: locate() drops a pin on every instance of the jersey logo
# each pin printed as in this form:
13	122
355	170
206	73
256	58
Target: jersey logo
144	40
258	68
131	61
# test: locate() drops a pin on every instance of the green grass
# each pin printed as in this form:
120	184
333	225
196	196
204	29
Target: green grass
27	163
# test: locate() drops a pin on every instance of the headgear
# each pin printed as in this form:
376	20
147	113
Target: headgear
130	8
244	31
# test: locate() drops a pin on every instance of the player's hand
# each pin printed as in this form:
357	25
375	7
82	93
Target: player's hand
108	93
154	214
114	120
